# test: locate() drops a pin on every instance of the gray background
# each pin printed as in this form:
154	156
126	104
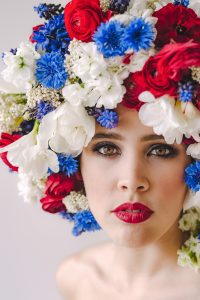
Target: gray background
33	242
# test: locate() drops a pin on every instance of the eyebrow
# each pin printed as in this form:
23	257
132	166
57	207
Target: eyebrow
116	136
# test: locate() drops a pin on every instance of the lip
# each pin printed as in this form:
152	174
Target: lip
133	212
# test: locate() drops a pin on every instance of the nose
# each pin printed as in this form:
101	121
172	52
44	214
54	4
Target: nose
133	177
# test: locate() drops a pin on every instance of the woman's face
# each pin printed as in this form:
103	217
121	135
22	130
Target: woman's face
131	164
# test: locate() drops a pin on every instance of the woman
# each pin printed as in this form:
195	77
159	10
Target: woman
106	133
134	167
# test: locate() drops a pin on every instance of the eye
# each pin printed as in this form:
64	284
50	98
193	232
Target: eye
106	149
163	150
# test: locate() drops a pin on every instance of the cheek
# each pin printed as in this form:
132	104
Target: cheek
171	187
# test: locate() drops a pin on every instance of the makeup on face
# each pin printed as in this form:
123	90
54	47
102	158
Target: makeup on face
132	212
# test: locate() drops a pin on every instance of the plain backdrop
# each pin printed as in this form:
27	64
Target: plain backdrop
33	242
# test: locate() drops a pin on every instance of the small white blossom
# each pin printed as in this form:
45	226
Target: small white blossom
194	150
20	68
190	219
102	79
189	254
30	189
75	202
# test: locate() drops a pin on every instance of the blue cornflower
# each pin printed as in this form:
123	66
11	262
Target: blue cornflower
108	39
50	71
192	176
84	221
182	2
108	118
67	164
66	215
43	108
52	36
185	92
139	34
198	236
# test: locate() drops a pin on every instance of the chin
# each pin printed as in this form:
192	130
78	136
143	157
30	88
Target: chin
131	239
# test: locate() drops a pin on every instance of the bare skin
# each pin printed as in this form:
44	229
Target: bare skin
92	274
141	261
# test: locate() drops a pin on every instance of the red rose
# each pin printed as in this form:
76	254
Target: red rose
83	17
157	83
174	60
177	23
57	187
133	89
36	28
7	139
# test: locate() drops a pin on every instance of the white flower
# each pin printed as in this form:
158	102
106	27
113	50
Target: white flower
90	62
189	219
30	189
194	150
189	254
139	59
163	116
75	202
67	129
112	94
31	158
191	199
37	161
21	67
170	118
102	79
192	117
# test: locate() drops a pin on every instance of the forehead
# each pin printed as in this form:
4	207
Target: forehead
129	124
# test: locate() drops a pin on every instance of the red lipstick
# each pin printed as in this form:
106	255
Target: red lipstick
133	212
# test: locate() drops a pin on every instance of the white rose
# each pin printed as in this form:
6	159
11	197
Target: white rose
67	129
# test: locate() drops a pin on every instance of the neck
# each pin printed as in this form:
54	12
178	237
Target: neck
150	261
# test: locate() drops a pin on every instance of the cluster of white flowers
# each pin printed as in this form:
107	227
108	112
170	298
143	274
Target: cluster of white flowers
171	120
76	201
191	199
101	78
11	110
20	68
189	254
30	189
190	219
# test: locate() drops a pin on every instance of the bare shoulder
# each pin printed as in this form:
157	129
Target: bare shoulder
79	267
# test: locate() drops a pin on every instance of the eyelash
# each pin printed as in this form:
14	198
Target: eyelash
172	152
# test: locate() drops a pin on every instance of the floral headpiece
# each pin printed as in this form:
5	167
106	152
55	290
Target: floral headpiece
74	70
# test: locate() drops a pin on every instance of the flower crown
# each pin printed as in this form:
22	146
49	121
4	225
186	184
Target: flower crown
74	70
